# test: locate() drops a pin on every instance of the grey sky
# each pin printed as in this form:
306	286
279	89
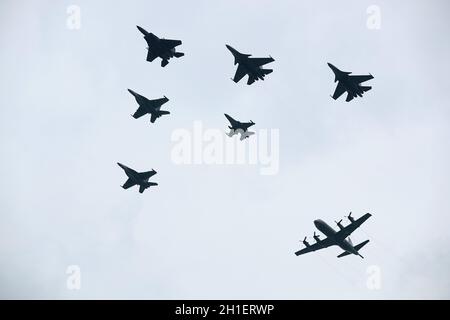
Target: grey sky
223	231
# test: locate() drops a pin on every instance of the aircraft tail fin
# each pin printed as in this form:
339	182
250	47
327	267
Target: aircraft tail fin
266	71
357	248
178	54
164	63
365	88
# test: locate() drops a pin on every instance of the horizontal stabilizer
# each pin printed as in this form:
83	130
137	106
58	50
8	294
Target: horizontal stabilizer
357	248
367	88
178	54
343	254
362	244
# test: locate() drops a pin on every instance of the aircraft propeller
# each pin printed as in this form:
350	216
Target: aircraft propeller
339	224
306	243
349	217
316	236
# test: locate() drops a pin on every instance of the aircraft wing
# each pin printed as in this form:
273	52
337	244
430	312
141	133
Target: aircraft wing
349	97
170	43
233	122
261	61
151	55
322	244
128	184
251	79
153	117
344	233
360	79
139	112
240	73
139	99
340	89
147	175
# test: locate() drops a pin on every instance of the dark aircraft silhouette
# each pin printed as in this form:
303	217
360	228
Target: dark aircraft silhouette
349	83
336	238
239	127
147	106
250	66
137	178
160	47
236	125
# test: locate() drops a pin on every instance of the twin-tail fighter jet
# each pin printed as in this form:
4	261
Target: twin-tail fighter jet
146	106
249	66
137	178
349	83
336	238
160	47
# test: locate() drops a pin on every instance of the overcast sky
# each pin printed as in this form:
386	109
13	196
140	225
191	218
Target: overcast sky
223	231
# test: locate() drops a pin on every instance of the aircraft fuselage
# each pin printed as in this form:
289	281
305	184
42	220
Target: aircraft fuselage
323	227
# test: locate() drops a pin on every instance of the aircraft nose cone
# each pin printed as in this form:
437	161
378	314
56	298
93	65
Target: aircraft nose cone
233	51
335	70
141	30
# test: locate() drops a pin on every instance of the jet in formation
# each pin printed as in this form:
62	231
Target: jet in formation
160	47
137	178
336	238
349	83
249	66
146	106
239	127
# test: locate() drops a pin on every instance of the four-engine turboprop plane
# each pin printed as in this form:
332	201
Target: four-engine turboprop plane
336	238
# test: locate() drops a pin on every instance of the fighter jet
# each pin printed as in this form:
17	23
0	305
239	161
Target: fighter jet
137	178
160	47
242	127
152	107
250	66
336	238
349	83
